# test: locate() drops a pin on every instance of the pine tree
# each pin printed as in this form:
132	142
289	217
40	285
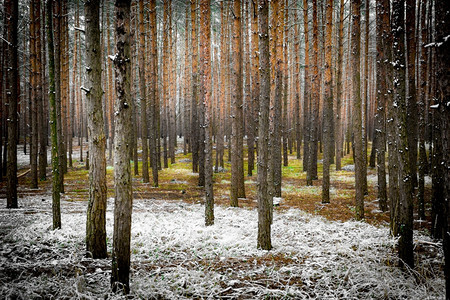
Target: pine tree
327	106
356	113
56	185
11	20
205	59
96	211
405	208
120	275
237	160
382	12
143	94
264	205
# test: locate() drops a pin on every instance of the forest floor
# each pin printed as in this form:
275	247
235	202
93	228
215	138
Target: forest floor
319	250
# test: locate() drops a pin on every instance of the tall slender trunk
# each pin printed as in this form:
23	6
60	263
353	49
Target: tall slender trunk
237	160
264	204
443	94
327	106
59	129
285	121
357	109
56	206
34	99
382	93
338	131
154	109
405	220
306	95
143	94
205	59
296	81
120	275
11	20
187	85
43	136
411	101
96	211
365	99
195	135
423	161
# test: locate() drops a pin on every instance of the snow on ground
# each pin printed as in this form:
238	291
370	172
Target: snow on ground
174	256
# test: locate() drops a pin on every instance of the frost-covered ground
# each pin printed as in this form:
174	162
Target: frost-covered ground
175	256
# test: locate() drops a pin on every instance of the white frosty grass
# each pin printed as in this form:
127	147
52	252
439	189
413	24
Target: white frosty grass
174	256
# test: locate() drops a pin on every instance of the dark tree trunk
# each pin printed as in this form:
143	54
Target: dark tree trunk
42	111
154	109
237	161
382	11
423	161
411	101
306	96
59	130
205	59
96	211
443	96
120	275
338	131
405	220
327	106
195	134
357	109
264	204
11	19
143	94
56	185
33	99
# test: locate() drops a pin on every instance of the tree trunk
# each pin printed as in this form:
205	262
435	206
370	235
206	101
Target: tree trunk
96	211
264	206
11	19
382	15
254	108
338	131
411	101
154	115
285	121
306	96
120	275
205	59
57	57
237	161
365	99
423	161
356	113
34	99
327	106
43	106
142	90
187	84
315	98
405	221
195	135
56	185
443	95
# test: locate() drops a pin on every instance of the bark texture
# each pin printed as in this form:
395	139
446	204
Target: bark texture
205	58
237	149
96	211
356	113
405	220
120	275
264	205
56	192
12	95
